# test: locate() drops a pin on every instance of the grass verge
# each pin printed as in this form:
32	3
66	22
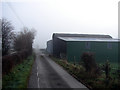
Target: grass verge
18	77
92	82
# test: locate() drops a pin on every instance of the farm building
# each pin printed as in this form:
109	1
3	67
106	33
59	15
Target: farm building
72	46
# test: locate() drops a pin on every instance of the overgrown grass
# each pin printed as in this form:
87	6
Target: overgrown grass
19	75
92	82
112	64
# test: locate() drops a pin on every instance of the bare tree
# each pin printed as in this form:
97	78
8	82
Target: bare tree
24	40
7	36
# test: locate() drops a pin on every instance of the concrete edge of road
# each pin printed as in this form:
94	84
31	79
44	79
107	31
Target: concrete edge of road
71	81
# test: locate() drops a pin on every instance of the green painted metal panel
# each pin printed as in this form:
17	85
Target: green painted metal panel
100	49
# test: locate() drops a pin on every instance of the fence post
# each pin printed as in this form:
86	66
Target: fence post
74	61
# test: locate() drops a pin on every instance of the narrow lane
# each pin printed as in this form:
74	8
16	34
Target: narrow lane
47	74
49	78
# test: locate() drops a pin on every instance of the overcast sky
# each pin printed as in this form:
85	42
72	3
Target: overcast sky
67	16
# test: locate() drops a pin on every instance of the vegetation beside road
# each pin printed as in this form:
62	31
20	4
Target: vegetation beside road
18	77
89	80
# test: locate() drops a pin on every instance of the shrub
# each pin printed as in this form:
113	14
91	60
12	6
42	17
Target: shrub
89	63
106	67
9	61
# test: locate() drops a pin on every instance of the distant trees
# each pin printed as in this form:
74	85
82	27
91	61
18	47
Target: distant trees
7	36
24	40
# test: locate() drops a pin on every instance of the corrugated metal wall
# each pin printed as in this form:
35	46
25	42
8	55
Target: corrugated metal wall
102	51
50	47
59	47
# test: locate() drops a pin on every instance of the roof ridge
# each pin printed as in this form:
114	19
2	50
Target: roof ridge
81	35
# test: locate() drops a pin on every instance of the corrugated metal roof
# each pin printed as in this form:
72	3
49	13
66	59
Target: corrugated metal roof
81	35
89	39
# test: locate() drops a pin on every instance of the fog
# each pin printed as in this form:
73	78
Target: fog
65	16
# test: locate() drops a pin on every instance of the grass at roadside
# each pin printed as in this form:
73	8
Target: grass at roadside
92	82
19	75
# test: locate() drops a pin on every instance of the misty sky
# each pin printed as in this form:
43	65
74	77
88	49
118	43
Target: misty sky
67	16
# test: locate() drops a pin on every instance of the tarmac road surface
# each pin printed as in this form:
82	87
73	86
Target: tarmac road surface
47	74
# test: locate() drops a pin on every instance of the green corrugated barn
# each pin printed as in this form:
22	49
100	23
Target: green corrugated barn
72	46
101	50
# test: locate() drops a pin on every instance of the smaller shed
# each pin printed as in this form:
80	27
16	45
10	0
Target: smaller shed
49	48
